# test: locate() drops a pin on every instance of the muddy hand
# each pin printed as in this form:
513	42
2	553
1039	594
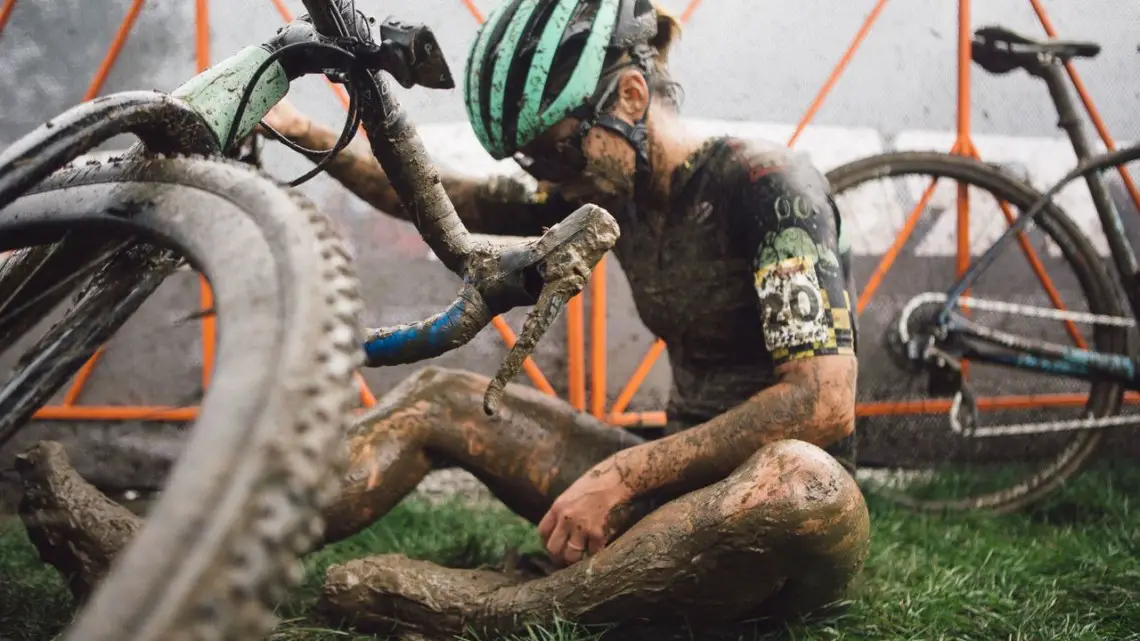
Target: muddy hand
579	522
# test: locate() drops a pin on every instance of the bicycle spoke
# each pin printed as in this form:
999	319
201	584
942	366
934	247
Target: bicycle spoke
87	270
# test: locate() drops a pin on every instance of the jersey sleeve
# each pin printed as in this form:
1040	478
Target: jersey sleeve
790	226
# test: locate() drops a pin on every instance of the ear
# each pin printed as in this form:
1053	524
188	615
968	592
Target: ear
632	96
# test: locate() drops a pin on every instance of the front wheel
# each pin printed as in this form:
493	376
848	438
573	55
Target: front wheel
244	500
908	450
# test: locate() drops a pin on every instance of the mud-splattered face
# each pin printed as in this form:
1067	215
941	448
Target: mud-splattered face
592	164
595	166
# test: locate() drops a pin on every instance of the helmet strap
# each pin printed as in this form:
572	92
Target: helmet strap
636	134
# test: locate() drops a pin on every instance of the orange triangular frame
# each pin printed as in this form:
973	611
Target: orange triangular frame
69	409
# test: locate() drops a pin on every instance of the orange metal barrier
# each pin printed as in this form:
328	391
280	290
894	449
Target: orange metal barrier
470	4
5	13
68	410
963	145
209	321
576	356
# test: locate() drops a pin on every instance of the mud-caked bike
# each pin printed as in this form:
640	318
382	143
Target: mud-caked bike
96	236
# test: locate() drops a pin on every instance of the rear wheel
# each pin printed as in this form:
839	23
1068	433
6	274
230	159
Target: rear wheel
909	452
221	546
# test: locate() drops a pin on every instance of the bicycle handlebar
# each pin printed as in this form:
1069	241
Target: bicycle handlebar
545	272
394	140
326	14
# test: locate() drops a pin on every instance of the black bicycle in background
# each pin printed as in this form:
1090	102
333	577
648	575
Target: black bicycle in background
963	341
220	548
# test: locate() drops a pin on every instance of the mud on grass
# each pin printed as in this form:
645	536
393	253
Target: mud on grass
1067	569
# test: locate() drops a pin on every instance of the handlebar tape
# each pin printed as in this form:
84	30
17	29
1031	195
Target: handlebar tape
431	337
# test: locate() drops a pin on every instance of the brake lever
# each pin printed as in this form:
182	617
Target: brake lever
410	53
498	276
562	259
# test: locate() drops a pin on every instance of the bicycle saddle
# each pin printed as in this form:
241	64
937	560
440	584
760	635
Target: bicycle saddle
999	50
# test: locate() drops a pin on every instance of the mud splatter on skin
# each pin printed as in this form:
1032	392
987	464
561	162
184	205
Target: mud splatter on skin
606	181
788	529
502	205
813	402
730	519
527	454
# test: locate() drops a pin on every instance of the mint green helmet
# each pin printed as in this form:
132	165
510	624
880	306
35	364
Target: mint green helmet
510	97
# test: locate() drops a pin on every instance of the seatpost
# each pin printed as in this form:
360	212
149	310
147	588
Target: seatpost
1051	71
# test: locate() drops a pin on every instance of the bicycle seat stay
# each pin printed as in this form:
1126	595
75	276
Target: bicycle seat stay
1000	50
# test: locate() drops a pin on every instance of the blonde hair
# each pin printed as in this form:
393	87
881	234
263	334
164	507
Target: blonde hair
668	32
661	82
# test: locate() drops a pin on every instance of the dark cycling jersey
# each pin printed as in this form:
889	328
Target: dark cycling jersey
745	272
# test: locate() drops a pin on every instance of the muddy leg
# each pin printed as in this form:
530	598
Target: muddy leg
786	533
527	454
72	525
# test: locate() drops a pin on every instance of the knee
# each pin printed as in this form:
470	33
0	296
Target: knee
433	375
790	468
796	483
424	383
434	381
808	499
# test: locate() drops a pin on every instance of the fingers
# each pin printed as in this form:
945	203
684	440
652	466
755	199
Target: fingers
576	546
546	525
569	538
556	543
595	543
569	542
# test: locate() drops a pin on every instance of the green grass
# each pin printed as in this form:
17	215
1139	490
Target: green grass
1067	569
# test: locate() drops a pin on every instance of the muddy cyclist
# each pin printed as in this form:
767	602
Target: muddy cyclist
735	256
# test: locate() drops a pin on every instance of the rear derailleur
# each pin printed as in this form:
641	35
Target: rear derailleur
918	343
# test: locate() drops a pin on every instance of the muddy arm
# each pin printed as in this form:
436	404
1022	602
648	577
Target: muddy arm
813	401
498	205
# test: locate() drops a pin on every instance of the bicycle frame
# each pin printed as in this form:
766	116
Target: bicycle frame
214	111
216	92
1003	348
194	119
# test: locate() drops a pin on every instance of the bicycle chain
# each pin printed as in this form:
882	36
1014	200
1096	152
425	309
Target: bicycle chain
1034	312
1022	429
1030	311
